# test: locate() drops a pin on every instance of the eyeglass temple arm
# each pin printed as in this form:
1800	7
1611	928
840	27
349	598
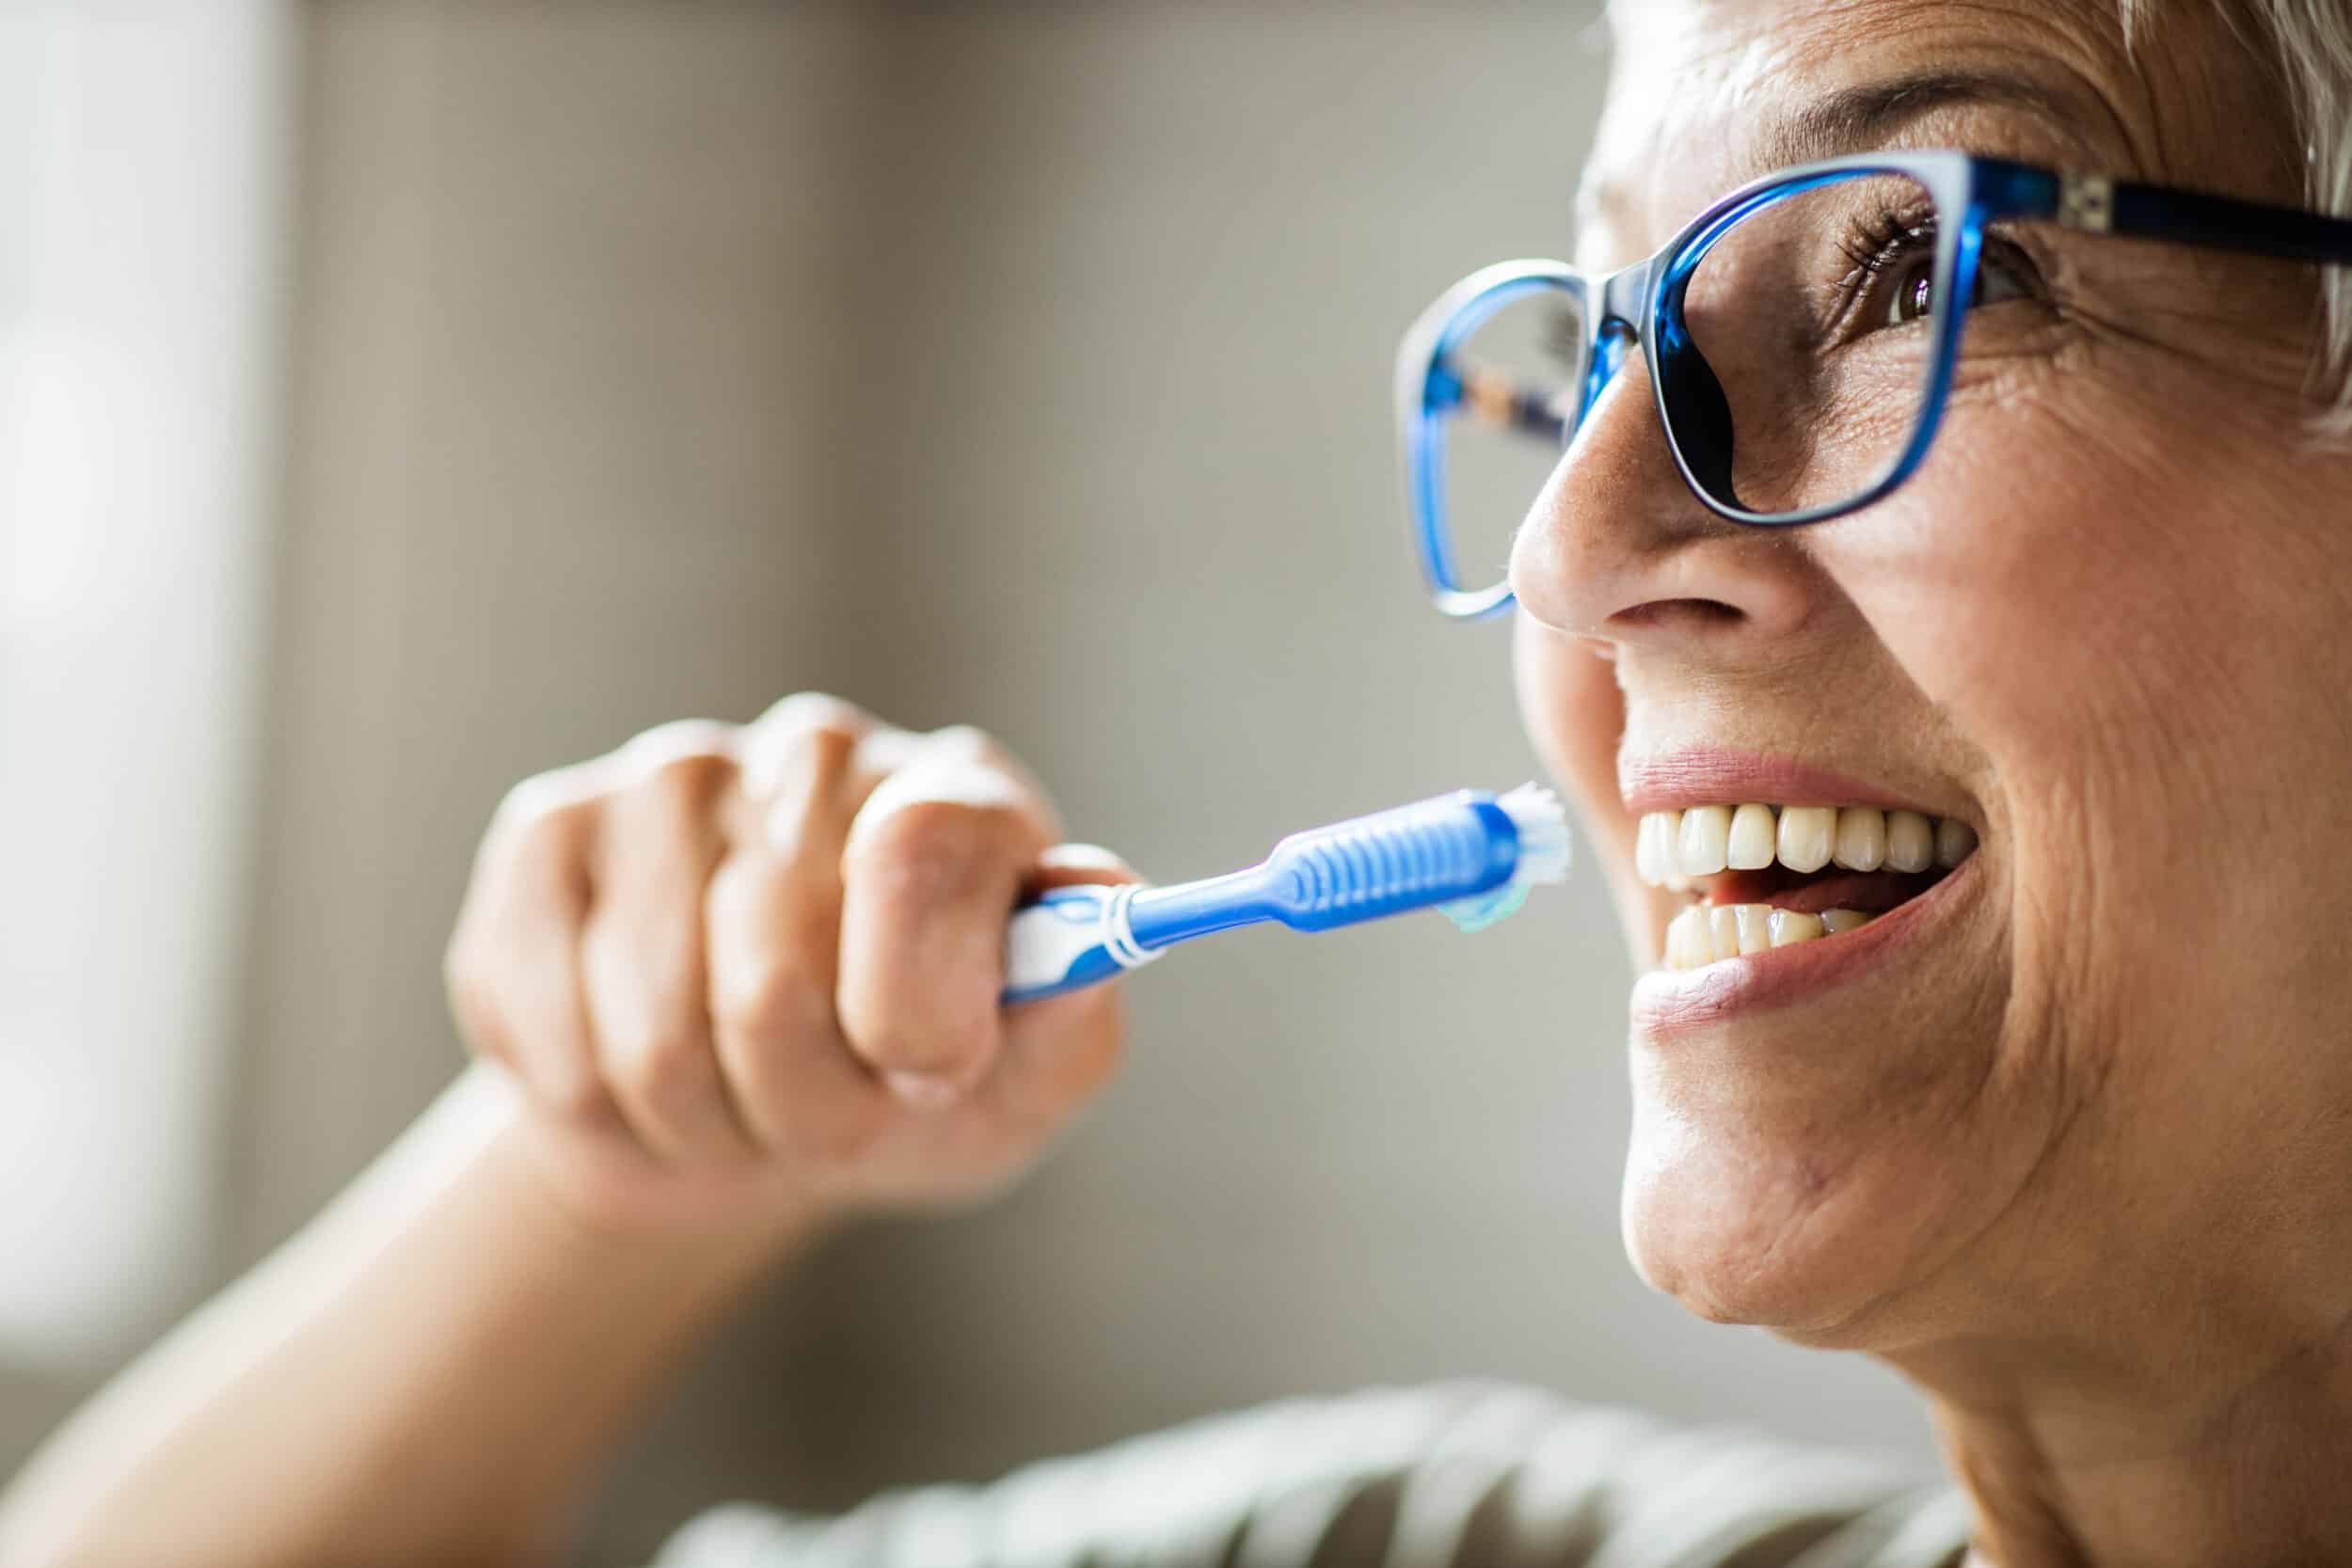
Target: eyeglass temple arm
2099	205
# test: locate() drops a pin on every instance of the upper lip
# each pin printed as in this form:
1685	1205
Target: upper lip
1707	776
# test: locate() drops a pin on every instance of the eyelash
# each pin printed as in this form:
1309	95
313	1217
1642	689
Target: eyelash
1874	245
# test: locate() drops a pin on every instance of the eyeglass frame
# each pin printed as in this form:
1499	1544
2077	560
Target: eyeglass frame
1642	305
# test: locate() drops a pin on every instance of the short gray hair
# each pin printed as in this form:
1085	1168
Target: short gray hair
2308	43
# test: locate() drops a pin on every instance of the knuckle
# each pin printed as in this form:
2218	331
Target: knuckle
568	1090
687	783
969	743
681	739
929	846
805	713
544	822
771	1001
838	1142
663	1069
551	797
809	738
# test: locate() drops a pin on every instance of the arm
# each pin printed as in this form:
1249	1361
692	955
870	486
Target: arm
424	1374
711	1035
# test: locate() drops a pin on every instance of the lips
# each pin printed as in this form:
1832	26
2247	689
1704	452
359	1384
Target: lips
1775	855
1672	781
1669	1002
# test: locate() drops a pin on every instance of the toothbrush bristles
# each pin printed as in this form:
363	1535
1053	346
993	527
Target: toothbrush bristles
1542	822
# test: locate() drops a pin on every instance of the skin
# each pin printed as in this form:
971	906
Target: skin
729	988
2075	1166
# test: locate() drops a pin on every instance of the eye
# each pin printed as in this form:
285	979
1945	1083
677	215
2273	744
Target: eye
1999	277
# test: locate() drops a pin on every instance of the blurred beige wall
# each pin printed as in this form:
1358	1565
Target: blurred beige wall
1023	365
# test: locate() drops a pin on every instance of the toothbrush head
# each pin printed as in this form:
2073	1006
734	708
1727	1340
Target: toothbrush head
1542	825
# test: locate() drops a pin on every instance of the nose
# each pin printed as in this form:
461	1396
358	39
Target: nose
1617	547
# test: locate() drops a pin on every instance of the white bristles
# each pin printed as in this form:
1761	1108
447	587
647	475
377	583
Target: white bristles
1542	822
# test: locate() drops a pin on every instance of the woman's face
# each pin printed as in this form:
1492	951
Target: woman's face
2105	627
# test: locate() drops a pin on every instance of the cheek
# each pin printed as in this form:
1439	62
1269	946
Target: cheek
2090	559
1570	704
2140	631
1575	716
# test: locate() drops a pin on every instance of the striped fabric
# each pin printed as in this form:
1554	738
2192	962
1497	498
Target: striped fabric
1452	1476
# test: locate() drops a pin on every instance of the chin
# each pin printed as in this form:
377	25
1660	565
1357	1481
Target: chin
1831	1180
1821	1129
1741	1227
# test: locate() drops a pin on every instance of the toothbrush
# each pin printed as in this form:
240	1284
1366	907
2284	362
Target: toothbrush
1472	855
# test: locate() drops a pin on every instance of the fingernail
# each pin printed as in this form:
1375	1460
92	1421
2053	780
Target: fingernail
924	1091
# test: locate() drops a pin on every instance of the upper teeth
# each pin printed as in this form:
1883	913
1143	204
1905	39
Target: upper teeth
1674	847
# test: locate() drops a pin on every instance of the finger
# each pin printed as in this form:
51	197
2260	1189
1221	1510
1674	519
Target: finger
934	865
777	747
513	964
1078	865
643	962
774	931
772	922
1059	1053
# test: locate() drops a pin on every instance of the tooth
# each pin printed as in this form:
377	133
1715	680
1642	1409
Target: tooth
1954	840
1861	838
1909	842
1653	847
1705	835
1805	835
1754	930
1835	921
1789	927
1751	831
1723	931
1686	939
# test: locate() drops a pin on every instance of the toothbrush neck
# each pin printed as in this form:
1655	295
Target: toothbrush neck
1161	915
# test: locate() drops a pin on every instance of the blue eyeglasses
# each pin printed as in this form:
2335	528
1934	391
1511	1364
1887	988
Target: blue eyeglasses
1802	335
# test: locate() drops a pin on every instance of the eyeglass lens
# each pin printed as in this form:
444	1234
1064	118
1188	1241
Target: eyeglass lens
1811	322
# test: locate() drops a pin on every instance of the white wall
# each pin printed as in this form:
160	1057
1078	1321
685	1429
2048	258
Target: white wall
140	144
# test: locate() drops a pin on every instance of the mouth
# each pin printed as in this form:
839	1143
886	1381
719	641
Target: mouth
1764	875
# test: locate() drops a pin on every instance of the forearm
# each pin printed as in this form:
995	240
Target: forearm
427	1373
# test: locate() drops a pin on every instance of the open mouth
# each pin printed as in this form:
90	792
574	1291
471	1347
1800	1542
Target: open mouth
1762	876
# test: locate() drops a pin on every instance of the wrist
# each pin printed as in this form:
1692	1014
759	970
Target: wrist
601	1196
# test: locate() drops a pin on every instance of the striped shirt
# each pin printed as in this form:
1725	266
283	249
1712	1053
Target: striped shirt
1451	1476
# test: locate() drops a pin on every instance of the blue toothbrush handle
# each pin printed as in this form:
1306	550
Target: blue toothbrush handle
1070	939
1471	854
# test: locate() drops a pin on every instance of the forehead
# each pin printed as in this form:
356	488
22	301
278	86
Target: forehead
1705	94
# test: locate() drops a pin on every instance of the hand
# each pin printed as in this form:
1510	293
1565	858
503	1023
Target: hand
747	977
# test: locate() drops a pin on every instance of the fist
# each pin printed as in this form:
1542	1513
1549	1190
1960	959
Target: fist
745	976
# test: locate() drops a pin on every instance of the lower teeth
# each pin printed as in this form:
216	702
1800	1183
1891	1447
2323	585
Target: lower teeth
1703	934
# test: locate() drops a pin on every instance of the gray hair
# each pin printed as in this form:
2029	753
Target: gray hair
2308	43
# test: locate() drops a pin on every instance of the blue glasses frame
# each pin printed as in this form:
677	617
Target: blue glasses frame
1642	304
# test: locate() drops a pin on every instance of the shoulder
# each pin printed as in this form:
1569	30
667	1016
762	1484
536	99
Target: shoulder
1450	1474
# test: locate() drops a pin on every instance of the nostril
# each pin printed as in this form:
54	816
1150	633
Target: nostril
1693	614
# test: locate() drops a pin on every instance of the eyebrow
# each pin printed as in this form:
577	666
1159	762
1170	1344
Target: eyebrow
1859	119
1870	116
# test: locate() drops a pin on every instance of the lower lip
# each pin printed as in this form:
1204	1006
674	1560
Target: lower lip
1669	1000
